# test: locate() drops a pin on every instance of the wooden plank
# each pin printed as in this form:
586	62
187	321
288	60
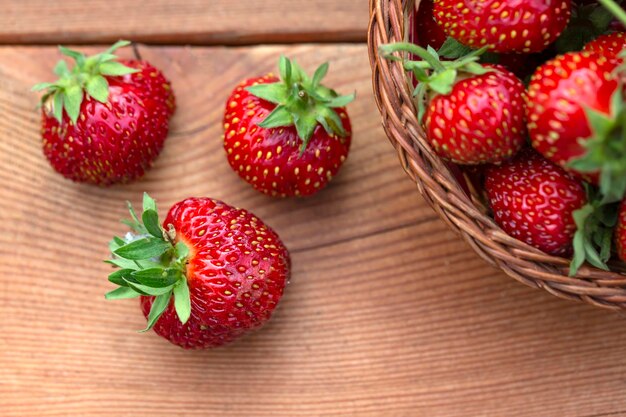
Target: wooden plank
388	313
208	22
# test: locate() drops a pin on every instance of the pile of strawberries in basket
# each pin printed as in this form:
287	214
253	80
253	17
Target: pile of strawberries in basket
527	98
209	273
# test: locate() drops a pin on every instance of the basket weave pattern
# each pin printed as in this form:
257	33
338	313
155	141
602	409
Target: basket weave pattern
467	216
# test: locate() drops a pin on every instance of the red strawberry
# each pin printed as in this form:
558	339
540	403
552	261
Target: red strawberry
620	232
504	25
288	136
481	120
609	45
426	31
574	106
207	276
105	121
533	200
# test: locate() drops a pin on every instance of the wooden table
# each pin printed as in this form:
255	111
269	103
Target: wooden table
388	313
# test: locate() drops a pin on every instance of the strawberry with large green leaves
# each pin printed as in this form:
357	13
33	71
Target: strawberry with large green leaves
105	120
577	118
472	113
288	136
206	276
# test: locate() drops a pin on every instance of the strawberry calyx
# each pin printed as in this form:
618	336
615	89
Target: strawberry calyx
595	222
606	149
87	76
433	75
152	263
302	101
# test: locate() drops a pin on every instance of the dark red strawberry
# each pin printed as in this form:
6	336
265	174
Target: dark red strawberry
288	136
504	25
426	31
609	45
481	120
533	200
574	111
105	121
208	275
620	232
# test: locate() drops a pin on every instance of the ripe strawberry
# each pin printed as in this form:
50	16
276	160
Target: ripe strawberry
620	232
574	109
481	120
504	25
609	45
225	269
288	136
533	200
105	121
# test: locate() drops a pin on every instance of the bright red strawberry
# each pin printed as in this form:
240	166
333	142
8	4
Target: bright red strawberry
609	45
208	275
481	120
573	110
426	31
288	136
533	200
105	121
620	232
504	25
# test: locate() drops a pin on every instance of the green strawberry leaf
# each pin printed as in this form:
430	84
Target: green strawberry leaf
58	106
72	100
157	277
443	82
159	305
98	88
182	301
118	277
341	101
319	75
121	293
114	68
274	93
143	249
280	116
151	223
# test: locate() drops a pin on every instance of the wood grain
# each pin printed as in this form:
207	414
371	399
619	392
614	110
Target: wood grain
208	22
388	313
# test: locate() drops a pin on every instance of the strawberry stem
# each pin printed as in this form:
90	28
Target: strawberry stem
614	8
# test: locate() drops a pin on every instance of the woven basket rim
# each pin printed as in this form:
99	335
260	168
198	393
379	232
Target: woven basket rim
434	180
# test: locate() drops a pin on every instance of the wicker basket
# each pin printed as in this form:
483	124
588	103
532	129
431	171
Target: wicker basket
437	184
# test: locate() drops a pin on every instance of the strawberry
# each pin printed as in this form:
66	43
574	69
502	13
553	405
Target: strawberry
620	232
287	136
105	120
205	277
533	200
575	116
504	25
481	120
472	114
608	45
